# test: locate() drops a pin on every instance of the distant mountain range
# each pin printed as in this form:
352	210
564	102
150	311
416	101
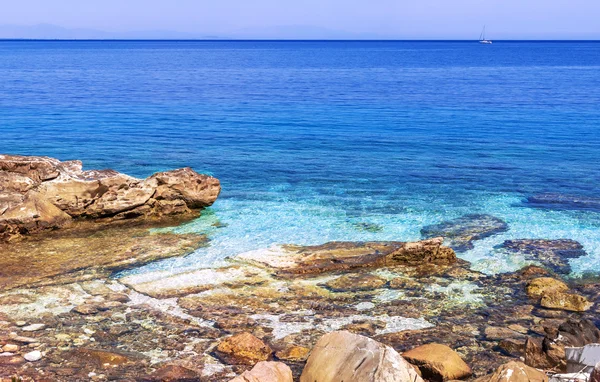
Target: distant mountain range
54	32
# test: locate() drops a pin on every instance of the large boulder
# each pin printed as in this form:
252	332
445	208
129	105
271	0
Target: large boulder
39	193
266	372
338	256
553	254
565	301
343	356
540	286
460	233
438	362
517	372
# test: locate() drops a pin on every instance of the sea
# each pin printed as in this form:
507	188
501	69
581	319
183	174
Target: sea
316	141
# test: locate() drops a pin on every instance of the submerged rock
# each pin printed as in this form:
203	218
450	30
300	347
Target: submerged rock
337	256
438	362
553	254
266	372
564	202
459	234
174	373
343	356
356	282
41	193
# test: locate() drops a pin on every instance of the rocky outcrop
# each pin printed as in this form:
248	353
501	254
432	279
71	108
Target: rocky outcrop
565	301
517	372
356	282
337	256
540	286
459	234
553	254
41	193
266	372
343	356
438	362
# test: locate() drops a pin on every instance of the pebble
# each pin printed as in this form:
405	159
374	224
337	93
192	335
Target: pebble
33	356
21	323
33	327
10	348
22	339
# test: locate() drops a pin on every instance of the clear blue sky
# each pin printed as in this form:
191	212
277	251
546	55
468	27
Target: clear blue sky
322	18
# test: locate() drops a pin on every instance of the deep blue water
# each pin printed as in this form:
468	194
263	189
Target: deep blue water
312	139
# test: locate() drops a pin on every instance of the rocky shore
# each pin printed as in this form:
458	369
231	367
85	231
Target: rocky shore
41	193
339	311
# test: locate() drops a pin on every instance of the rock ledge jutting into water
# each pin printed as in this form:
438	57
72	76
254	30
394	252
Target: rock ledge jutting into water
41	193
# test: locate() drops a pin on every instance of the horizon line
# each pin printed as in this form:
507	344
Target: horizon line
290	40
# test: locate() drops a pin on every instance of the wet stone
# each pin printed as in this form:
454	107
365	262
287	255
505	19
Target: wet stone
553	254
459	234
356	282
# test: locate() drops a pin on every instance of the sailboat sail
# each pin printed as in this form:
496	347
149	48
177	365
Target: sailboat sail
482	37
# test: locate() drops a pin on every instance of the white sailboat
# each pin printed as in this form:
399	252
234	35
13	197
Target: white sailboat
482	39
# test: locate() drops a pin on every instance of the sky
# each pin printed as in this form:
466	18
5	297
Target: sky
388	19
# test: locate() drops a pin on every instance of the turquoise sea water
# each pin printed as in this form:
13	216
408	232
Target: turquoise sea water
319	141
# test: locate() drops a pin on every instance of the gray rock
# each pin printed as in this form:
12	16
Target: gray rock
553	254
33	356
557	201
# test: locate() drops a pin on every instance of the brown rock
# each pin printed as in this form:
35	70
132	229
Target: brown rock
174	373
499	333
293	354
517	372
356	282
104	358
86	309
243	348
335	256
343	356
542	285
438	362
565	301
266	372
512	347
40	193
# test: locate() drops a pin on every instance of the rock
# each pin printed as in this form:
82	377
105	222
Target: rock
86	309
405	283
33	356
40	193
537	287
174	373
595	376
512	347
293	354
438	362
11	348
356	282
104	358
343	356
499	333
564	202
565	301
459	234
553	254
266	372
336	256
517	372
243	348
33	327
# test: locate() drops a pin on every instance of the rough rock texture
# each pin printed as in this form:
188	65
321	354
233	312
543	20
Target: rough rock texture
41	193
356	282
566	301
438	362
459	234
174	373
266	372
553	254
343	356
243	348
549	353
540	286
337	256
517	372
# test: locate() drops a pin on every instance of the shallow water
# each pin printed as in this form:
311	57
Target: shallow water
319	141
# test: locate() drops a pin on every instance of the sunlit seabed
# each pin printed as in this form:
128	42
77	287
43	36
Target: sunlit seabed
235	226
